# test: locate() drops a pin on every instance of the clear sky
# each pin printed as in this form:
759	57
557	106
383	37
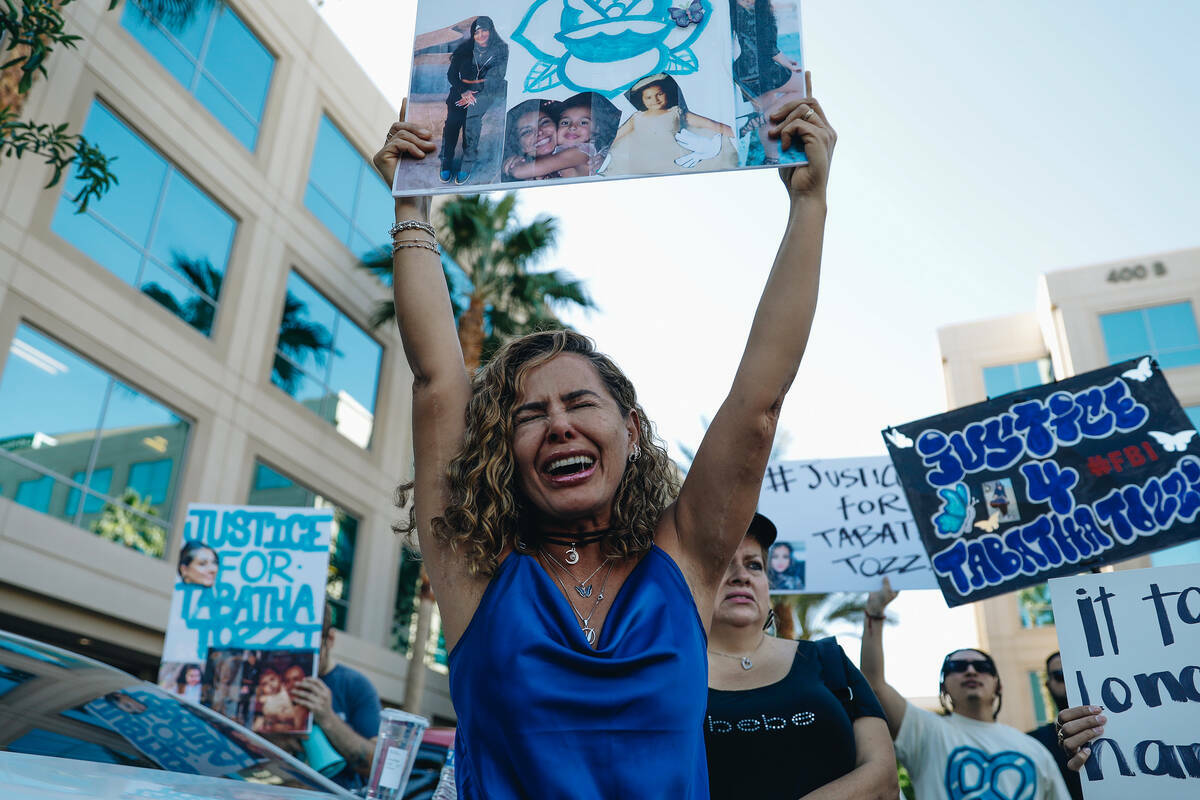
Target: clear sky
980	144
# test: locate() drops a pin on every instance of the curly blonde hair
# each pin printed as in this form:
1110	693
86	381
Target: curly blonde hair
487	509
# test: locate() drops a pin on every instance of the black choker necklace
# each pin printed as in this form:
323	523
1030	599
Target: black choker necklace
571	556
591	537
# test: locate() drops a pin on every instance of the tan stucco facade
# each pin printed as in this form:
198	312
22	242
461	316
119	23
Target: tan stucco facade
59	575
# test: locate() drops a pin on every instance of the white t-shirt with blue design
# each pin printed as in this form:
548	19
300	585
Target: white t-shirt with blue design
959	758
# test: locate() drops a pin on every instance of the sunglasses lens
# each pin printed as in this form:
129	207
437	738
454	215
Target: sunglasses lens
962	665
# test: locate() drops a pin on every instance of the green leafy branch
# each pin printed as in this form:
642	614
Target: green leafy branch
29	34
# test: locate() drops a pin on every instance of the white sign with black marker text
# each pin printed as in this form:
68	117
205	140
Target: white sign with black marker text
843	524
1130	643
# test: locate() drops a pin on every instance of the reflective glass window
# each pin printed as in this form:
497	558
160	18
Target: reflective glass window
65	423
152	479
215	56
327	362
1167	332
156	230
100	481
1040	706
405	611
1033	603
1012	377
273	488
346	193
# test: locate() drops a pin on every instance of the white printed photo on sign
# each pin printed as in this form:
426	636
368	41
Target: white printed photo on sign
843	525
1130	642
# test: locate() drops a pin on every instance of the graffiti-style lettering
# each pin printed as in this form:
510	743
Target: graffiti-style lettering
1046	481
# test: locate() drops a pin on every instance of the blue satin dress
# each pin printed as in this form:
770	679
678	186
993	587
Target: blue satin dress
543	715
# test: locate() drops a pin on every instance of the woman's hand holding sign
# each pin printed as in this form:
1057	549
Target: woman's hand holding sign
405	139
804	122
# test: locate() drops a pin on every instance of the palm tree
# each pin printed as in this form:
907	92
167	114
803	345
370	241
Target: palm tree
817	614
174	15
128	522
298	337
495	252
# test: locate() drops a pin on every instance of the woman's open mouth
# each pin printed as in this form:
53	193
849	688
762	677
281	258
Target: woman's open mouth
570	469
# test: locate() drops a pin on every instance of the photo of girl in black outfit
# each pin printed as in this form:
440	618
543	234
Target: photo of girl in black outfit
477	81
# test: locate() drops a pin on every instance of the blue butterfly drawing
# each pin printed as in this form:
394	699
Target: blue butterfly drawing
690	15
957	513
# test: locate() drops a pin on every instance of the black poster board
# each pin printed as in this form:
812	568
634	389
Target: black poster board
1051	480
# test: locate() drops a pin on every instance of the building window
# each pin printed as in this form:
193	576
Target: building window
155	229
60	417
346	193
1013	377
273	488
99	482
1041	709
1166	332
404	616
1033	602
215	56
326	362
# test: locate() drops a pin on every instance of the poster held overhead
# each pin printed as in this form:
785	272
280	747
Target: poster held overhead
1130	642
1051	480
527	92
843	524
246	613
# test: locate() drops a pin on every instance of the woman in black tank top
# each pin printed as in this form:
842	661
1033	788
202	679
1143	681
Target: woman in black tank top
786	719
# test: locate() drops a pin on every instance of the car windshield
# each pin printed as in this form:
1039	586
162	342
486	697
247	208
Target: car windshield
56	704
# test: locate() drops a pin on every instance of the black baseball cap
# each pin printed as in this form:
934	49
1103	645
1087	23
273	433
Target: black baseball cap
762	530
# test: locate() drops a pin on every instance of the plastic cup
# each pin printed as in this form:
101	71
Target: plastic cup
399	737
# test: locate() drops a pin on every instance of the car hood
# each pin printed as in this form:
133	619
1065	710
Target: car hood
30	777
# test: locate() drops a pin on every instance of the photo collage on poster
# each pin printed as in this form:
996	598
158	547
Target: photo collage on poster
564	91
247	612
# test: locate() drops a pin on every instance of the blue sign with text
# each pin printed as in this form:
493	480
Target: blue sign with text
1051	480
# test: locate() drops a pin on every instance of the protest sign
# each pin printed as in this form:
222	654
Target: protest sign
537	92
843	524
246	613
1130	642
169	734
1051	480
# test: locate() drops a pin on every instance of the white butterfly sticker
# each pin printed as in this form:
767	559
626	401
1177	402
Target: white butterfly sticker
1141	373
991	523
898	439
1173	442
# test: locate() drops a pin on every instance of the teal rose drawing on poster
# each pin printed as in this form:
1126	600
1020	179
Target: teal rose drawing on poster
606	46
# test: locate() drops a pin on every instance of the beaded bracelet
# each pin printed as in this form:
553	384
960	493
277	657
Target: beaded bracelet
403	244
411	225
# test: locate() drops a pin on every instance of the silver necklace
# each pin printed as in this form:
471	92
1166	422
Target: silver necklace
747	662
583	587
589	632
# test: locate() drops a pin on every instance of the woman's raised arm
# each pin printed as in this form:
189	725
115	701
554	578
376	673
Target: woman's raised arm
720	493
441	386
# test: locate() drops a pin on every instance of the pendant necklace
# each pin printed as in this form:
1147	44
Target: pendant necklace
582	587
572	555
747	662
589	633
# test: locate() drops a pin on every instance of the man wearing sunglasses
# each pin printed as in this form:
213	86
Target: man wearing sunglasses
962	753
1056	685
